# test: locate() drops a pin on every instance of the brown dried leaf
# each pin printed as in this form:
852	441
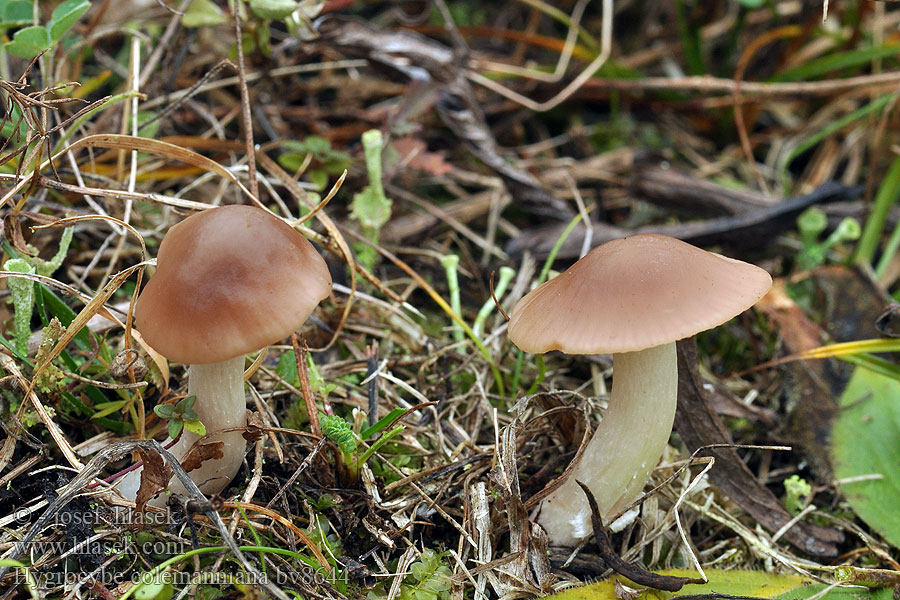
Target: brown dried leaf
200	453
256	429
155	477
798	331
413	152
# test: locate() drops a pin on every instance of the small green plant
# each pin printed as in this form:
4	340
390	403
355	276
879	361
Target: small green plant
51	380
31	39
428	579
257	16
813	252
370	206
351	455
325	161
21	290
811	223
316	381
181	415
796	491
503	281
450	262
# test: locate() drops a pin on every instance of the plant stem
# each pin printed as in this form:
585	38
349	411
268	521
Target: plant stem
450	263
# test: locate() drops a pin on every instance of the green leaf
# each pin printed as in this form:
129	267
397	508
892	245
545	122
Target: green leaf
17	13
203	13
318	178
195	427
287	368
384	439
382	424
164	411
865	442
853	593
887	196
273	9
813	69
338	431
187	403
65	15
29	42
107	408
418	570
156	588
175	426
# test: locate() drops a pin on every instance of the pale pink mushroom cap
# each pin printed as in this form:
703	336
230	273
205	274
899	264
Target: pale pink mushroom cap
635	293
229	281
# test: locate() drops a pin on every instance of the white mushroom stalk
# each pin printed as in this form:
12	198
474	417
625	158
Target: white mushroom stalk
219	389
625	447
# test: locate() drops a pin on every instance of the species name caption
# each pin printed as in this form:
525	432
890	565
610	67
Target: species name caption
306	576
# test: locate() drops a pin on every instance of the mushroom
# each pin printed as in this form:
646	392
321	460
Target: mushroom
229	281
632	297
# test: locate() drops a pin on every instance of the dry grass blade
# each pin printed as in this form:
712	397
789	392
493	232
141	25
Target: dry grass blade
165	149
127	142
69	220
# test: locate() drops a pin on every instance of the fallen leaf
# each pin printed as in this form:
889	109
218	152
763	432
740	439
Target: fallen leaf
200	453
155	477
413	153
255	427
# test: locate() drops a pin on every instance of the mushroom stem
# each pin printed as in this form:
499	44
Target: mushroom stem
219	388
625	447
220	404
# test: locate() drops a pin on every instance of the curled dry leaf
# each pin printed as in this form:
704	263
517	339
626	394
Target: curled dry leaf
200	453
154	477
256	429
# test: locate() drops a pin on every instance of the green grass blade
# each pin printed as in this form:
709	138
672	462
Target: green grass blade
837	61
887	196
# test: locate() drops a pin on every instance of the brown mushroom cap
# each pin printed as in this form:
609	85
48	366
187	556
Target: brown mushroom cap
229	281
635	293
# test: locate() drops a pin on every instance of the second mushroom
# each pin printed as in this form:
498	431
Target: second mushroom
632	297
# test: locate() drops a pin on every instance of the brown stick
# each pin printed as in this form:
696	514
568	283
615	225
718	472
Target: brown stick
635	573
245	106
308	398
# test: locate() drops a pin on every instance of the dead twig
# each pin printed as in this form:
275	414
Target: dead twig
635	573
